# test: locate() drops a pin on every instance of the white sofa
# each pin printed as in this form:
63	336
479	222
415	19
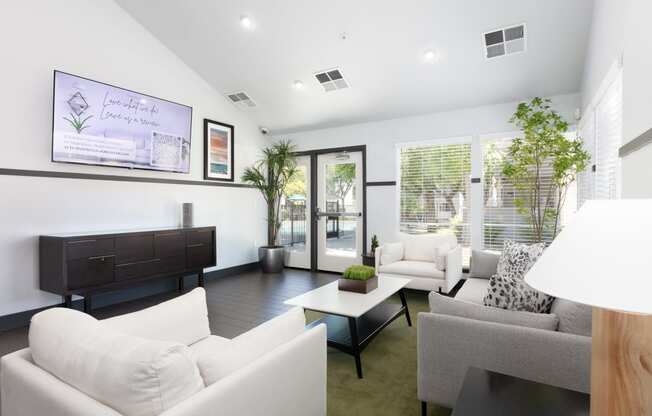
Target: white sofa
164	361
432	262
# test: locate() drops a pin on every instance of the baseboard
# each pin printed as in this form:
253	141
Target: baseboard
22	319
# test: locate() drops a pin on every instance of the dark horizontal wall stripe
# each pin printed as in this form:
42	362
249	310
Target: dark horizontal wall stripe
71	175
381	183
21	319
636	144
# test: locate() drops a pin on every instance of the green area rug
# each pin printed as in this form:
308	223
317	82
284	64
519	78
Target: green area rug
389	365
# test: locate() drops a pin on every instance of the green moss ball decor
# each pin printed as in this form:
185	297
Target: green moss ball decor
359	272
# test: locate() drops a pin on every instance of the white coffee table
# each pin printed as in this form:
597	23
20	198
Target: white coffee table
354	319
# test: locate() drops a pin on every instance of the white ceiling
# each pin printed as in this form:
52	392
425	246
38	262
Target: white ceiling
382	57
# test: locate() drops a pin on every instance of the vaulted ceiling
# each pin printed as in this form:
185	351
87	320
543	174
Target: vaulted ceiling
379	45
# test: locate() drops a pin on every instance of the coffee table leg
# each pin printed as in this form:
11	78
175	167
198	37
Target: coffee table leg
353	327
401	293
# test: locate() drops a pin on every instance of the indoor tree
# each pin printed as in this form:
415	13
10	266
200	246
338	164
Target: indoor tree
542	164
270	176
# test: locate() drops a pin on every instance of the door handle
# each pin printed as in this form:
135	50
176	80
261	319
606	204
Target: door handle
319	214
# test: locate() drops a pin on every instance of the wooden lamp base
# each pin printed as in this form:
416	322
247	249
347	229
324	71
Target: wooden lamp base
621	364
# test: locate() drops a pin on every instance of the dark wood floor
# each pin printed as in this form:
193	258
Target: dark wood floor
236	303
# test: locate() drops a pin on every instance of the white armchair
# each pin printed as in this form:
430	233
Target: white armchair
430	261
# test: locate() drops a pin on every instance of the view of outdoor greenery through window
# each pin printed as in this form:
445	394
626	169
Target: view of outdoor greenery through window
435	190
435	194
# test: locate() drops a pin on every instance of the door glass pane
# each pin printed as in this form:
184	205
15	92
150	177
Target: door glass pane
341	197
293	212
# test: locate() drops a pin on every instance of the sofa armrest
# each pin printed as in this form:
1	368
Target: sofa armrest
379	250
27	389
288	381
449	345
453	267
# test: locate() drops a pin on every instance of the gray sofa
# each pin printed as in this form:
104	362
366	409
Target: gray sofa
460	333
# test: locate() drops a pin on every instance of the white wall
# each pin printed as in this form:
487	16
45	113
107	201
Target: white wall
621	29
606	45
637	98
381	138
99	40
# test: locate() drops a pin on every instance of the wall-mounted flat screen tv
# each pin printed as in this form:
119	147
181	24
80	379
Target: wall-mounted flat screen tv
98	124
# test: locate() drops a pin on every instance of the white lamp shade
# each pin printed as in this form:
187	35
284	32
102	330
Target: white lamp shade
602	258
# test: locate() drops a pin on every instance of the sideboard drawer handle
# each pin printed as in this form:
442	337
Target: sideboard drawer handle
108	256
195	245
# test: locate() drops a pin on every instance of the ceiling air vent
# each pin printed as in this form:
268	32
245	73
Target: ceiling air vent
332	80
505	41
241	99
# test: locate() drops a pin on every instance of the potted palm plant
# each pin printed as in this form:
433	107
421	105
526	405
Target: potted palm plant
270	175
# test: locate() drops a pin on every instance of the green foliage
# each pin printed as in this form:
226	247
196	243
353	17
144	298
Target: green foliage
340	180
270	176
359	272
542	147
374	244
77	123
296	185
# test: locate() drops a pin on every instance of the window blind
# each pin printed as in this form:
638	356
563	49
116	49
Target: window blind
501	219
435	189
586	179
608	138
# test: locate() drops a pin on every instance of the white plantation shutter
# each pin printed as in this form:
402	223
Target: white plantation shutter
501	220
434	189
608	138
586	179
601	132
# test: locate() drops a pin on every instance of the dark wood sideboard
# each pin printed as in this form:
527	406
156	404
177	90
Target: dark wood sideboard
86	264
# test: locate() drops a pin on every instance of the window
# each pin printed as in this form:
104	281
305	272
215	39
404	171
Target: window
501	219
601	131
435	184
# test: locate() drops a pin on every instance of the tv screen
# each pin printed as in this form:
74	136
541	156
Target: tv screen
99	124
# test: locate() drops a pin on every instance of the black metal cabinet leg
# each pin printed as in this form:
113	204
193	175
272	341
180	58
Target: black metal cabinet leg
67	301
401	293
180	284
424	409
88	307
355	345
200	278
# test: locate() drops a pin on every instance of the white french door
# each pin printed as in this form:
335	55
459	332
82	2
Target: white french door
339	213
296	217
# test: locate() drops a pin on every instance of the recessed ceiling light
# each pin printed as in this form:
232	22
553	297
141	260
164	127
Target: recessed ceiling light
246	22
431	56
298	84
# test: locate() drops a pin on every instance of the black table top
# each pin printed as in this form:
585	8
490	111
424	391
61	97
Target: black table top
487	393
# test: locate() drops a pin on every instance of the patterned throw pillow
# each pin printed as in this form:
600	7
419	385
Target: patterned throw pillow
507	289
517	258
512	293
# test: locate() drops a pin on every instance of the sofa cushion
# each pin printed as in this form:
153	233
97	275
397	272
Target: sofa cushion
217	359
484	264
517	258
183	319
473	290
510	292
413	268
449	306
423	247
391	253
133	375
574	318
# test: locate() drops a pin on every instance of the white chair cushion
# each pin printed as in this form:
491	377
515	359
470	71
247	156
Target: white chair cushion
391	253
217	359
183	319
473	290
413	268
133	375
423	247
209	345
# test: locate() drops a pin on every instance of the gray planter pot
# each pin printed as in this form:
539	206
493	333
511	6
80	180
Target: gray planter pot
271	258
